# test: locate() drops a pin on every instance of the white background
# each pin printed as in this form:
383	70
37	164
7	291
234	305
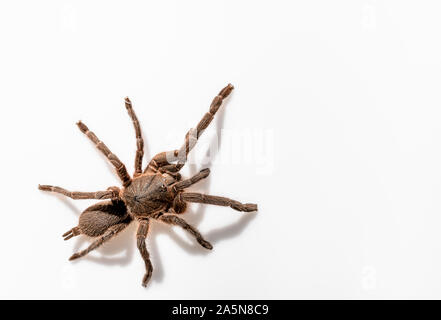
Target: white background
336	133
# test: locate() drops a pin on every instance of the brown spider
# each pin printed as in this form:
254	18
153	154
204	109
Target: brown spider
157	193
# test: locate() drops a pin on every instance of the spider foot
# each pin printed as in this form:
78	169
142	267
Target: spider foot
75	256
146	278
205	244
246	207
44	187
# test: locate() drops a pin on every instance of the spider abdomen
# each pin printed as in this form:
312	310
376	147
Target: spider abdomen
96	219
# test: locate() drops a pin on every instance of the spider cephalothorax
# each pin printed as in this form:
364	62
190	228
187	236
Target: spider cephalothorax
157	193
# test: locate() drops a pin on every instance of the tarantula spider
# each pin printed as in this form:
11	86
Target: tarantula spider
157	193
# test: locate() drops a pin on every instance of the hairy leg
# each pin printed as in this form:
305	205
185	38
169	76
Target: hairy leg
189	182
111	193
174	220
218	201
179	206
162	160
139	139
111	232
141	235
119	166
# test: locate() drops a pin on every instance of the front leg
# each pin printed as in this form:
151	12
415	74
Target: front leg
179	206
184	184
162	161
141	235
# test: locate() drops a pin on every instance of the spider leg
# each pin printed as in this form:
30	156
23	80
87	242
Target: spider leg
119	166
141	235
179	206
218	201
111	232
139	139
189	182
162	160
174	220
111	193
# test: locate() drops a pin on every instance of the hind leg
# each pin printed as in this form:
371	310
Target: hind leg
104	220
111	232
141	235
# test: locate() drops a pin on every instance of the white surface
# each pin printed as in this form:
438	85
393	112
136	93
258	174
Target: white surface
335	126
